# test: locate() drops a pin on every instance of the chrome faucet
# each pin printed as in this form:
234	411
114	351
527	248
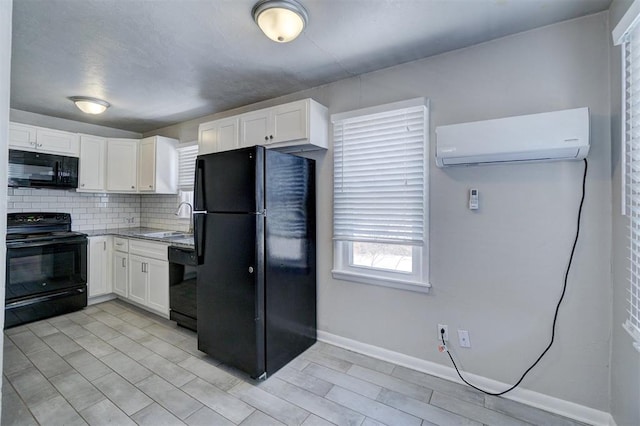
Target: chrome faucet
190	214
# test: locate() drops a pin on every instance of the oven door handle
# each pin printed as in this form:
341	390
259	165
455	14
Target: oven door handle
31	301
27	244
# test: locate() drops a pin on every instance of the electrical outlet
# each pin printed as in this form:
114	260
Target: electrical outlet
446	332
463	339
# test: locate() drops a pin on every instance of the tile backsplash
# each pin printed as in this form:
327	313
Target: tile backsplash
158	211
91	211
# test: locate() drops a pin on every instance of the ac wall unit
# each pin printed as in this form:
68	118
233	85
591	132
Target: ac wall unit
549	136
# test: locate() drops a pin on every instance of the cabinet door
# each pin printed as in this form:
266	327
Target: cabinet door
22	137
290	122
227	134
122	165
57	142
147	165
98	277
255	128
219	135
158	282
207	137
138	279
92	163
120	273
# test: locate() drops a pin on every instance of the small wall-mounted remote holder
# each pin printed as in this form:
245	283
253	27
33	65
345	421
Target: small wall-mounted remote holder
473	199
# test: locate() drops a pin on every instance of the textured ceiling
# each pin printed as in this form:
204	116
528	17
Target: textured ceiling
159	62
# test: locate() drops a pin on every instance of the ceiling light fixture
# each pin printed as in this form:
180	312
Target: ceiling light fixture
280	20
90	105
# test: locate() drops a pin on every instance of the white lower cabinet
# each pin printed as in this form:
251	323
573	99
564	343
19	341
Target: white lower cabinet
137	280
99	256
149	275
149	283
139	271
120	273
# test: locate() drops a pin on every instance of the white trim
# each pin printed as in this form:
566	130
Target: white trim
627	22
409	103
564	408
99	299
383	282
633	333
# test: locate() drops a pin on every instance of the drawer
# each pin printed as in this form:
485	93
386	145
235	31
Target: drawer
121	244
150	249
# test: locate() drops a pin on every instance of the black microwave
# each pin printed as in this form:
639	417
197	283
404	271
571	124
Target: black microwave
39	170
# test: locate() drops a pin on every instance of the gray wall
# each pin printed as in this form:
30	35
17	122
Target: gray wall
625	369
5	71
34	119
497	272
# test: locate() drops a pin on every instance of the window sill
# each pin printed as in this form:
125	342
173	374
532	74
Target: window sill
634	335
418	287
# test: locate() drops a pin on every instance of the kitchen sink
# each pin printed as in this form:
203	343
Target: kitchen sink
166	234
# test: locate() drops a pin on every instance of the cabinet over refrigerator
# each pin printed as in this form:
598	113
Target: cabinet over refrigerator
255	244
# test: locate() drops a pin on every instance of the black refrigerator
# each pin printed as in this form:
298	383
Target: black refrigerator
255	226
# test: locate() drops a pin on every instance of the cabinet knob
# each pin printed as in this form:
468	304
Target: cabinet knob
133	187
150	186
82	185
270	136
39	144
251	269
266	138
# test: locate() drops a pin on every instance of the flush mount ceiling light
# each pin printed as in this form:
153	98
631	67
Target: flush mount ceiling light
280	20
90	105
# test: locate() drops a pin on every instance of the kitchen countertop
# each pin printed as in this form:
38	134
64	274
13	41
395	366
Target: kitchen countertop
185	241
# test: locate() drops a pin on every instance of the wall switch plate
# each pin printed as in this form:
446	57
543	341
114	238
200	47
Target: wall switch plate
463	339
446	332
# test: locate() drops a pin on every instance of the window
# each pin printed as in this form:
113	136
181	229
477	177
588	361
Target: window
187	166
186	176
627	33
380	193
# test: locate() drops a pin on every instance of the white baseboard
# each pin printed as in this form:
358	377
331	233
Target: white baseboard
99	299
564	408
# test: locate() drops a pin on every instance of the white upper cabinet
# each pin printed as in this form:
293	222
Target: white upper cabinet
292	127
255	128
295	126
158	165
290	122
122	165
22	137
219	135
93	153
32	138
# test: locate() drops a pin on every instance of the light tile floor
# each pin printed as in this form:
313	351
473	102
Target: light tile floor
115	364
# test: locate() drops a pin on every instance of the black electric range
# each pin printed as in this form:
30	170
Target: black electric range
46	267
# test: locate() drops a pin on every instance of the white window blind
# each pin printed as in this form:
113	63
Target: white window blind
379	176
630	40
187	167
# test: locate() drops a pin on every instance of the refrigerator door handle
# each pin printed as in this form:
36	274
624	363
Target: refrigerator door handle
199	201
198	235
